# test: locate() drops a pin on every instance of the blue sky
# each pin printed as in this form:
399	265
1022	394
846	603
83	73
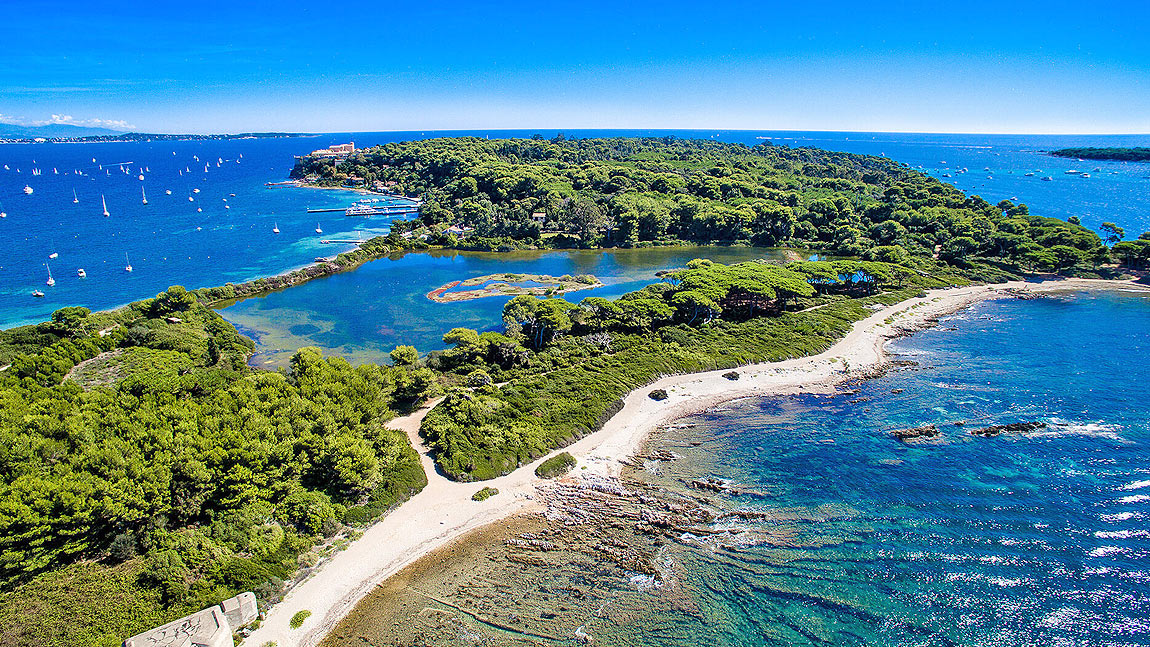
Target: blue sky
1035	67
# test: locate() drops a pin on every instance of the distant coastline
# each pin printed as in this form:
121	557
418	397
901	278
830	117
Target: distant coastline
146	137
1137	154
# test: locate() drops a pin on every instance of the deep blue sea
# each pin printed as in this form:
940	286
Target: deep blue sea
208	241
1041	538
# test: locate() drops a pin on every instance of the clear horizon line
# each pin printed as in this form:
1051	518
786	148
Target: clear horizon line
668	129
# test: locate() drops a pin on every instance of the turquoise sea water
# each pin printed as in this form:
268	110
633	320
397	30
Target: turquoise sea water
170	242
1034	539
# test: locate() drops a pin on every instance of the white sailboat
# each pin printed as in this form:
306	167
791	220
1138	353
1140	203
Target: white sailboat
27	190
75	198
105	203
54	255
276	228
168	192
51	281
81	273
145	195
318	230
128	267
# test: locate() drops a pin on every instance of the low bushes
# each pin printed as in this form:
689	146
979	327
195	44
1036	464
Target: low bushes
557	465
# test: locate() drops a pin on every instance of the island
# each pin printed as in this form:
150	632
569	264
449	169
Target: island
1137	154
151	472
494	285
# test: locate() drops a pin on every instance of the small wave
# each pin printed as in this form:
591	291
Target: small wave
1059	427
1135	498
1064	618
1121	516
1121	534
1103	551
1136	485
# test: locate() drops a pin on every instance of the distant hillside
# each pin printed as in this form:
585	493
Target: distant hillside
51	131
1121	154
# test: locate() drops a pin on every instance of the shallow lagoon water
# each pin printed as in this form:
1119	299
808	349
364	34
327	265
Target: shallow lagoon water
363	314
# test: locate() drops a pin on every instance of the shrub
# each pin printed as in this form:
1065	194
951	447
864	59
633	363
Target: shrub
557	465
478	378
298	618
658	394
485	494
731	375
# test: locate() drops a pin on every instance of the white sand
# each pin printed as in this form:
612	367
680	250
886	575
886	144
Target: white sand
443	511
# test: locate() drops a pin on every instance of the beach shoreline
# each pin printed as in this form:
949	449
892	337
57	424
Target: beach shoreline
444	513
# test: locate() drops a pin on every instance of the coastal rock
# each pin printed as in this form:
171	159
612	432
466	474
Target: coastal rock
713	485
925	431
1013	428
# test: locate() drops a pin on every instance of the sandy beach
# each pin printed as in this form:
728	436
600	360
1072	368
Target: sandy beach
444	511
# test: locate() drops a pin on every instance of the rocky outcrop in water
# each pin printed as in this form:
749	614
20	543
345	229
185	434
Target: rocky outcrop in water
1011	428
914	433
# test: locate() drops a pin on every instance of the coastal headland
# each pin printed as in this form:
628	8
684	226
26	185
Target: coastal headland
444	512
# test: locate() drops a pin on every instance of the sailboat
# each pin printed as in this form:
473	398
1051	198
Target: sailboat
27	190
54	255
317	229
144	194
168	192
128	267
51	281
276	228
75	198
81	273
105	203
3	214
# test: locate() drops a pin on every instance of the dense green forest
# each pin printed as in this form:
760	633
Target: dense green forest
514	193
147	471
1138	154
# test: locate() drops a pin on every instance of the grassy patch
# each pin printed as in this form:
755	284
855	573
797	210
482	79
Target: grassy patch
299	617
485	494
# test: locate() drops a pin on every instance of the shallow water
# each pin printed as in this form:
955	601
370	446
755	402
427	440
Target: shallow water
1041	538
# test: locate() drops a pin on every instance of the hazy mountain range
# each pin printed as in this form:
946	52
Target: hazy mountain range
50	131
